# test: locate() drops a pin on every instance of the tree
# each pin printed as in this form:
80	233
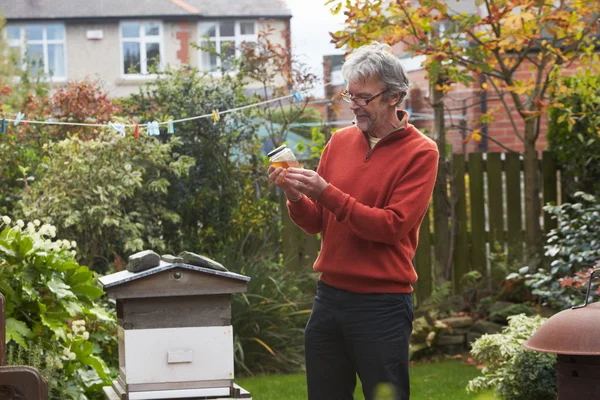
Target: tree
278	72
206	199
542	37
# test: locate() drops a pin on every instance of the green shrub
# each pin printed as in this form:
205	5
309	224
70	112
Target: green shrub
573	133
54	302
513	372
226	154
109	194
22	146
574	246
269	320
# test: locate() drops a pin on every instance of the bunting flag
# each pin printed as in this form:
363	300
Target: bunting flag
20	116
215	115
3	130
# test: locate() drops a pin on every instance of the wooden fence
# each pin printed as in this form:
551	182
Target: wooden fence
489	210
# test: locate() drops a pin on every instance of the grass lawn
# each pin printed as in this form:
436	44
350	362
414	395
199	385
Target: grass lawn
445	380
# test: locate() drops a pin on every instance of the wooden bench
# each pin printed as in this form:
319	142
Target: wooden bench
18	382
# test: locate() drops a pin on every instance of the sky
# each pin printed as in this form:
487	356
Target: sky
311	23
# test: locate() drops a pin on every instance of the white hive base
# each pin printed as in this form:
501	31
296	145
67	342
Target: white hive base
111	394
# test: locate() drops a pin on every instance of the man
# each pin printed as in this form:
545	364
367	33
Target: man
367	198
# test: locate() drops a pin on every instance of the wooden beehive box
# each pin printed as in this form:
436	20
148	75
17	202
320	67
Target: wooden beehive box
175	334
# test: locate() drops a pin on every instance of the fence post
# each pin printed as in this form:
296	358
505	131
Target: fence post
495	199
549	187
478	257
423	261
513	206
461	243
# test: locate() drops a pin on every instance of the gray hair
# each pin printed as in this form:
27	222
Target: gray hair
377	59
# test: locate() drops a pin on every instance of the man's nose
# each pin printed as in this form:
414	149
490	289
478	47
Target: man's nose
354	106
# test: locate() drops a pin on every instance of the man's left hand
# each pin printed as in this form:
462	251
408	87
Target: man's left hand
306	181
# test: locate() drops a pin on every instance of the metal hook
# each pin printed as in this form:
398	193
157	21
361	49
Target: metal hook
587	295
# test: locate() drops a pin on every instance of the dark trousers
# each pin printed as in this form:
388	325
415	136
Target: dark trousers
351	333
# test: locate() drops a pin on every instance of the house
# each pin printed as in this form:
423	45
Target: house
121	41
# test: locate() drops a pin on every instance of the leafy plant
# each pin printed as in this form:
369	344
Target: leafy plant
574	246
573	132
47	361
269	320
513	372
49	296
109	194
22	147
226	154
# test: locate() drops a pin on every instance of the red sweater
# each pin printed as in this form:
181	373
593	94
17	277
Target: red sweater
370	212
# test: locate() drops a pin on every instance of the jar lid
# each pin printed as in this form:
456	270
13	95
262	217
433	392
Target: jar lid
277	150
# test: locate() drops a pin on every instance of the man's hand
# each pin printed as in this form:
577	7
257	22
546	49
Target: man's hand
278	176
306	181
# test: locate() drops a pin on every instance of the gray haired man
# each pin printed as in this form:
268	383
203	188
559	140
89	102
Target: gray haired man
367	198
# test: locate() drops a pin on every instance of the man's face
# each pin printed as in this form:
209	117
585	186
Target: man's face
371	115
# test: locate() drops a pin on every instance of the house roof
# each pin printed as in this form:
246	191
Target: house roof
121	277
106	9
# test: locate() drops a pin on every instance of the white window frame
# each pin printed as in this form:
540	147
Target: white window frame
22	42
142	40
237	38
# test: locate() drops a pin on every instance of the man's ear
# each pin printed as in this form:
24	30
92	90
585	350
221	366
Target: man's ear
394	99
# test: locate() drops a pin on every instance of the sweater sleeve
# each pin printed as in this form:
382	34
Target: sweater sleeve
307	213
409	202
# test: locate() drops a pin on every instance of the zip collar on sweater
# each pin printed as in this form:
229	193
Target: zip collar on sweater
403	116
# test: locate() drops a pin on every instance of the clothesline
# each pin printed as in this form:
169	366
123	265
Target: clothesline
215	114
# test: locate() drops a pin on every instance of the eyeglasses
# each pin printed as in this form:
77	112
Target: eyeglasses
359	101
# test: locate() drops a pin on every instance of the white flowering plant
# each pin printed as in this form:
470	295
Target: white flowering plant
52	299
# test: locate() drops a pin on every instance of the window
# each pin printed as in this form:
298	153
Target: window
141	44
42	45
225	37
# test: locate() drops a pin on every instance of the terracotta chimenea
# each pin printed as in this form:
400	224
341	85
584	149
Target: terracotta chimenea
175	334
574	335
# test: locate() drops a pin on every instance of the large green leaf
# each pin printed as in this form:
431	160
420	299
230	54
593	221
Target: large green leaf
82	274
58	327
61	289
25	246
101	313
5	248
90	291
98	364
67	265
90	378
73	308
18	331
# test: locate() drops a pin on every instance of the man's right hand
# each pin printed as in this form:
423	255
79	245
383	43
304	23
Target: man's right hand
277	176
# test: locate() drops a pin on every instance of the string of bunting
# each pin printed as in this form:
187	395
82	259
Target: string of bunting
152	127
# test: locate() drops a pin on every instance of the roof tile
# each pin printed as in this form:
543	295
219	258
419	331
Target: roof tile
71	9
